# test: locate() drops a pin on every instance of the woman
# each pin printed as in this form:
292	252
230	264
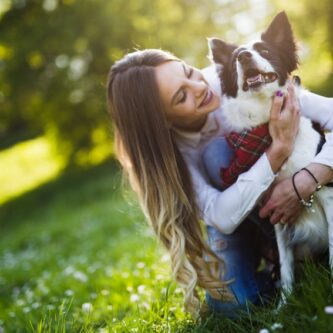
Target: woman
164	113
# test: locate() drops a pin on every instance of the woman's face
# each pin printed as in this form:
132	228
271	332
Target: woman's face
185	94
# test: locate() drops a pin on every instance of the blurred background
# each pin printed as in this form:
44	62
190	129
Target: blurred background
59	187
55	56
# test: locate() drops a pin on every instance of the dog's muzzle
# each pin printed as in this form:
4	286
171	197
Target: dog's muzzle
254	78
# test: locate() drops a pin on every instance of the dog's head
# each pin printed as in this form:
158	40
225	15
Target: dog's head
257	66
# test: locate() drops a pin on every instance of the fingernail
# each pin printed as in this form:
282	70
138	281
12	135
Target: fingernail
279	93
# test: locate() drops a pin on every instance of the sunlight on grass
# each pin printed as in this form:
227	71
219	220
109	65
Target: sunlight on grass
82	259
26	166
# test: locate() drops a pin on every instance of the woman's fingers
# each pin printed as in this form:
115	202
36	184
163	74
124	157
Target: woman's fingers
291	105
266	210
276	217
279	216
282	203
290	99
277	106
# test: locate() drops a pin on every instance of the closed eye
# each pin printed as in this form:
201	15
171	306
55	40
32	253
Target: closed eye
188	72
183	99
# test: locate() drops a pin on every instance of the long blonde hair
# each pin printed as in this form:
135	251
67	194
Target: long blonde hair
158	173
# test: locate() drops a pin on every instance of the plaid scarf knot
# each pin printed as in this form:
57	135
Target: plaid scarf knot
248	146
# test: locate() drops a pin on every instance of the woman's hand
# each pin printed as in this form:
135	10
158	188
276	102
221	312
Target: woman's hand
281	202
283	128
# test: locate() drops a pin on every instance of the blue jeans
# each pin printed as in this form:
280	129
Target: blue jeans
217	155
241	251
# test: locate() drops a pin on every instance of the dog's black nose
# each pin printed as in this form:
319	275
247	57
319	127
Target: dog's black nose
244	57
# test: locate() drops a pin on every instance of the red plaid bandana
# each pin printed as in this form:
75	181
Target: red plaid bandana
248	146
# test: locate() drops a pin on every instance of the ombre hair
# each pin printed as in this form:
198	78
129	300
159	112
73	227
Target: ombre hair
158	173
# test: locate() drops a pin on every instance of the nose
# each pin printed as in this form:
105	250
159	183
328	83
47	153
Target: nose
198	87
244	57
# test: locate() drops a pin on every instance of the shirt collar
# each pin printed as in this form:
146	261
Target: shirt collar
193	139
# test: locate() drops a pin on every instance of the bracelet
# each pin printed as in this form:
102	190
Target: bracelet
314	178
307	204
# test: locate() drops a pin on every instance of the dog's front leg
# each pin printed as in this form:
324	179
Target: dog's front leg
326	199
286	262
329	216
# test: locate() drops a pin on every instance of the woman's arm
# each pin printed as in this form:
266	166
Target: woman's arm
283	128
226	210
317	108
283	203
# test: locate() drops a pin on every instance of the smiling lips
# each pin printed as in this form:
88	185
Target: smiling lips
207	99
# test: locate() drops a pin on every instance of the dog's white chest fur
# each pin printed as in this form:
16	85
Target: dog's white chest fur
249	110
313	232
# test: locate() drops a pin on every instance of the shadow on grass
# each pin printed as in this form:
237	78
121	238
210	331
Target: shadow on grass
70	181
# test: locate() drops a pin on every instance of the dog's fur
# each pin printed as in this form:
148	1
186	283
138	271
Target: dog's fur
250	75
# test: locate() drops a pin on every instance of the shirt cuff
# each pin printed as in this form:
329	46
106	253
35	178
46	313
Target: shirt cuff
325	156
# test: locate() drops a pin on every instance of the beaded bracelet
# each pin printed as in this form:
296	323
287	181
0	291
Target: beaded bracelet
307	204
318	187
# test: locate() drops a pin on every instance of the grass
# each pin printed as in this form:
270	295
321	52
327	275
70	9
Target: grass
76	256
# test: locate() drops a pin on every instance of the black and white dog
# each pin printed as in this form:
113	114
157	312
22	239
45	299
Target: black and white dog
250	75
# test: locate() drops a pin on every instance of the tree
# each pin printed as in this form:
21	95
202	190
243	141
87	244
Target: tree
55	55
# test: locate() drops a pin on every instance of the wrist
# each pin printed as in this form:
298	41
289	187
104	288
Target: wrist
323	173
305	184
281	149
277	154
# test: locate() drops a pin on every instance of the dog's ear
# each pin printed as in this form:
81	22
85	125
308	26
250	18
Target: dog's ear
280	34
279	30
219	51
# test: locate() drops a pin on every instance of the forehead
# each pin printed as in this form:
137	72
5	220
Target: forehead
250	45
254	45
169	68
169	76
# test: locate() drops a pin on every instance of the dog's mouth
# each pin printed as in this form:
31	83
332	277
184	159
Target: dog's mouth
254	78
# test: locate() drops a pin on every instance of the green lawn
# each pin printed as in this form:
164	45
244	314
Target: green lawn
76	256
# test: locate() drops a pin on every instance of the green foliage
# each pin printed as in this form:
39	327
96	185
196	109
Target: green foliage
55	56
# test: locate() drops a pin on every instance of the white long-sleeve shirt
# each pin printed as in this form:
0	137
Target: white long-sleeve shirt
226	210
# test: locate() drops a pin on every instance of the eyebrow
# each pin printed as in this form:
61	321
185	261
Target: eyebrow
180	88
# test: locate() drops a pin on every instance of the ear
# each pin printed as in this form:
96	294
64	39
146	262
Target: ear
219	51
279	30
280	34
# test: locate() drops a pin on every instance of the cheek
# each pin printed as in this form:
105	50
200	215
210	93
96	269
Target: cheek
191	105
216	102
186	109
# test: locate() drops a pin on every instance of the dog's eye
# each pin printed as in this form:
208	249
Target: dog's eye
264	52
